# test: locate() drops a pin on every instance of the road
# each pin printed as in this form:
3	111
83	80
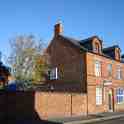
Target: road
114	121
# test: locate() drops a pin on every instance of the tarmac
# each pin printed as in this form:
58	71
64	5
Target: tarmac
88	119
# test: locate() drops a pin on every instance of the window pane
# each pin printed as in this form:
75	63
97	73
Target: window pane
53	74
97	68
98	96
120	95
119	72
109	69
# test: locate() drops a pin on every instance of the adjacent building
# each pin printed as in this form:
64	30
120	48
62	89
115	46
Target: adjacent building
4	74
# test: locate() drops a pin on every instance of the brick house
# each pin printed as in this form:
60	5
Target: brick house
84	66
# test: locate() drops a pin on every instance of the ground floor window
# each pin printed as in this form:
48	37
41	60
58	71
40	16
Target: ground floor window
98	96
120	95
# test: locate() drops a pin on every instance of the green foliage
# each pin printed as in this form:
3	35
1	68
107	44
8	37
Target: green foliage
40	68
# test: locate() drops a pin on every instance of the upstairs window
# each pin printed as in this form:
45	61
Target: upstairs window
97	68
98	96
119	73
53	74
96	48
109	69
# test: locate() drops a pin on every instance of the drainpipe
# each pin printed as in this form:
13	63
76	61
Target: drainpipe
87	100
113	98
86	83
71	105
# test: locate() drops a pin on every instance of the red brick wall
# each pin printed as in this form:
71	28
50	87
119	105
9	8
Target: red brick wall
17	105
93	82
67	58
2	105
91	79
43	105
25	105
60	104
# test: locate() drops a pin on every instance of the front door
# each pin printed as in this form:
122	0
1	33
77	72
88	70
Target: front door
110	101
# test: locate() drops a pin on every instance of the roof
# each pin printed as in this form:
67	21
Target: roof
87	40
74	42
83	45
110	48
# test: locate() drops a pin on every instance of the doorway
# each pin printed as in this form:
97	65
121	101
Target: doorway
110	100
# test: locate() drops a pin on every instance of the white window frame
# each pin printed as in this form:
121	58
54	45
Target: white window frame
109	68
99	95
120	95
97	68
119	73
53	75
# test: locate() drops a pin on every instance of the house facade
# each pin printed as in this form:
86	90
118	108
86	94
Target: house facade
84	66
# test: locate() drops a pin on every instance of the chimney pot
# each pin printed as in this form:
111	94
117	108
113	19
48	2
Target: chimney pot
58	28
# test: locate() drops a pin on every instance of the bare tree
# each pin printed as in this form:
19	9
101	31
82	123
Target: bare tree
27	58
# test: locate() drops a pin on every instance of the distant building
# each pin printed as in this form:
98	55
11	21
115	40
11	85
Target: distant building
4	74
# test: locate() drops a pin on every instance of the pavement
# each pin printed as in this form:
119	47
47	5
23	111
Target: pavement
102	118
94	118
113	121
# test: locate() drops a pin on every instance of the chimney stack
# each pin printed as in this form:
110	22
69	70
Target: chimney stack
58	28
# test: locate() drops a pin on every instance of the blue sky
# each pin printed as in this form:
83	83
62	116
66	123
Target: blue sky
81	19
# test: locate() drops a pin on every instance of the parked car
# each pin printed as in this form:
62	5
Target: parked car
11	86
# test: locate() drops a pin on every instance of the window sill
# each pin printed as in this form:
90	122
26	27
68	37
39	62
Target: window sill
120	103
98	105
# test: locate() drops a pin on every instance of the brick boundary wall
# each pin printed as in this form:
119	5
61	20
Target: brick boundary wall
3	108
20	105
43	105
50	105
16	105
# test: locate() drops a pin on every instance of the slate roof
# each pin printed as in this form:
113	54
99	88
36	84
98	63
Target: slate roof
74	42
85	45
88	40
110	48
82	44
